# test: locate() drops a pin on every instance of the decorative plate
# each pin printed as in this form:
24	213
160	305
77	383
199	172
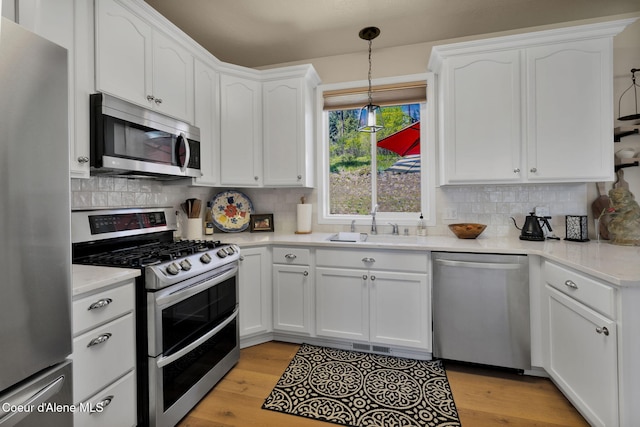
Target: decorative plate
231	211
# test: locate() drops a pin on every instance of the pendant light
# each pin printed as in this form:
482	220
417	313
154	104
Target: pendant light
634	85
370	115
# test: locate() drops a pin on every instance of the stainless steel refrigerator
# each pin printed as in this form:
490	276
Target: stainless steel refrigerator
35	243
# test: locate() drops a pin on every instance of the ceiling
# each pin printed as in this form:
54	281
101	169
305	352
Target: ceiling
256	33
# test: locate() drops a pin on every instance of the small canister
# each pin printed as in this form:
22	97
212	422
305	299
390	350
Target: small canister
576	228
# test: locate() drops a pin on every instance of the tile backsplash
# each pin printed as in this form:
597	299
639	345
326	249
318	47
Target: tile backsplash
488	204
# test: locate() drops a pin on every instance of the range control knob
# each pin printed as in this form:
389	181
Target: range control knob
230	250
185	265
173	269
221	253
205	258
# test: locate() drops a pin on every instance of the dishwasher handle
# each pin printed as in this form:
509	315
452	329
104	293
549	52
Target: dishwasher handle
485	265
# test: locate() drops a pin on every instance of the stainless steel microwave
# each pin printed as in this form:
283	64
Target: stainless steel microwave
132	141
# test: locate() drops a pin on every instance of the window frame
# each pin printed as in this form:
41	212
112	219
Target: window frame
427	156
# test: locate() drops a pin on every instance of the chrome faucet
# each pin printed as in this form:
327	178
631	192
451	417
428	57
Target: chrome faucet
394	231
374	228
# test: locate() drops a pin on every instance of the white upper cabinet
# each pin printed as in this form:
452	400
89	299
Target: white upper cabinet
136	62
533	107
207	118
240	131
569	115
288	128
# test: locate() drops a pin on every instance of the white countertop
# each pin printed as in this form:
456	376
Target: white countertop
88	278
619	265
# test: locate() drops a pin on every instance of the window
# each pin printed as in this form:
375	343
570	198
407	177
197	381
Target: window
393	168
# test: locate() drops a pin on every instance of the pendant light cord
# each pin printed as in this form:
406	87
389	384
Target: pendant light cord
369	75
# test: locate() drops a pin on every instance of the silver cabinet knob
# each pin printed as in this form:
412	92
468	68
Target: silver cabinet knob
373	277
570	284
241	258
516	170
299	177
533	170
368	259
158	101
306	273
83	159
150	97
603	330
255	177
100	303
104	402
99	339
364	277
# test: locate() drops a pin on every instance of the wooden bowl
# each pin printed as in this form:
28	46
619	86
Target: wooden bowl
467	230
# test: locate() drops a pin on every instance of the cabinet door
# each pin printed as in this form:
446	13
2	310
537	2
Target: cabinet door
582	358
240	131
207	118
172	78
254	286
342	303
292	288
482	123
569	112
400	309
123	53
284	136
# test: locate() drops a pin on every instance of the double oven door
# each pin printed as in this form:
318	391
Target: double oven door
193	341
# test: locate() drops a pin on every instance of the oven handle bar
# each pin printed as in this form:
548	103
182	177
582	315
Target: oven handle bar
175	294
164	361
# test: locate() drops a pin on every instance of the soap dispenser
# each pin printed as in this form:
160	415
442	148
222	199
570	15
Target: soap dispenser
422	227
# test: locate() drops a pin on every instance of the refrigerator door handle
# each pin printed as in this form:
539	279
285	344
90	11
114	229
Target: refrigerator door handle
27	401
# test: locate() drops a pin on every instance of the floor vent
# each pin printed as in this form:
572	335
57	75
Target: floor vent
361	347
379	349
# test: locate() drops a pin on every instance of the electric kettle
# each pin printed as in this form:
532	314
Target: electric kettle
532	228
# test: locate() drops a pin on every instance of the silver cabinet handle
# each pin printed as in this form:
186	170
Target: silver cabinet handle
570	284
83	159
603	330
241	258
364	277
99	339
158	101
102	404
290	256
100	303
368	259
373	277
533	170
150	97
255	178
516	170
306	273
299	177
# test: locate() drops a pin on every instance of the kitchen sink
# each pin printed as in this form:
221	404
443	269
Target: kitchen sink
345	236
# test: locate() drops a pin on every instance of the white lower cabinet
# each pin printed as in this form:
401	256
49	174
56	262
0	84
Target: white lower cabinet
254	284
376	297
104	386
581	340
292	291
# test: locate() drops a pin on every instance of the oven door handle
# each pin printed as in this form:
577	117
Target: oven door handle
164	361
176	294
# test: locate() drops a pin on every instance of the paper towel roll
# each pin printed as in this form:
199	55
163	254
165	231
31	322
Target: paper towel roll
304	218
194	229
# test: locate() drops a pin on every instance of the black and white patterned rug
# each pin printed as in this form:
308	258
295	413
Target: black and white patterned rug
364	390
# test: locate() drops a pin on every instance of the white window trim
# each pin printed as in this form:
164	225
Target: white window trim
427	152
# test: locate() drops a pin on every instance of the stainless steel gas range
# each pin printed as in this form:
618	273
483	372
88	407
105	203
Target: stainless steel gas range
186	304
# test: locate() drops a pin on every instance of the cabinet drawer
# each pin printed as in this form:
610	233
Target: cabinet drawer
585	289
121	410
95	366
408	261
293	256
101	307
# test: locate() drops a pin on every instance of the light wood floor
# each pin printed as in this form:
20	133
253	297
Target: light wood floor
483	397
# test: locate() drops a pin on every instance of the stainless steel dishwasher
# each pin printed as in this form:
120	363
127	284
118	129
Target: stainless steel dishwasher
481	309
